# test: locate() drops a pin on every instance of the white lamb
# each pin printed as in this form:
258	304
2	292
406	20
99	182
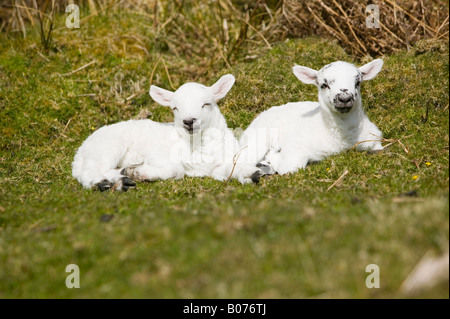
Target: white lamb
290	136
198	143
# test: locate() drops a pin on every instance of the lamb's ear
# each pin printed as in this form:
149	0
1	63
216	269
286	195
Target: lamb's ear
160	96
371	69
306	75
223	86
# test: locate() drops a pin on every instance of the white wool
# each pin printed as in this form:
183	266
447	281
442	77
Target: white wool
290	136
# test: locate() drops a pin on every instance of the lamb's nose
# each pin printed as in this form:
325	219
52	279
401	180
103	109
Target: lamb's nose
189	122
345	98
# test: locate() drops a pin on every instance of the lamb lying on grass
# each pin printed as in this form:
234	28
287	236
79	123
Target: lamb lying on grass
290	136
198	143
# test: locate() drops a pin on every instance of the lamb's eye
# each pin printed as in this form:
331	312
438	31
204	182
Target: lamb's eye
175	109
206	104
324	86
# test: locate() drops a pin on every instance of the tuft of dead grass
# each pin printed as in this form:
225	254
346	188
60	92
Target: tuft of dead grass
401	23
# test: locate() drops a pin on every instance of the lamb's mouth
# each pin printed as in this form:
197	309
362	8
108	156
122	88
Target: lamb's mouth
189	129
343	107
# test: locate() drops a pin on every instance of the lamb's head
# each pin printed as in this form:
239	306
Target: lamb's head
194	105
339	83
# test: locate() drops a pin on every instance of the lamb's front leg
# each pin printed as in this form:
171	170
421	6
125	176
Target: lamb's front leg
113	179
285	160
245	173
148	173
370	138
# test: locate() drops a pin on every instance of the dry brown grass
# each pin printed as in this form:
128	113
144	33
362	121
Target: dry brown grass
225	27
402	23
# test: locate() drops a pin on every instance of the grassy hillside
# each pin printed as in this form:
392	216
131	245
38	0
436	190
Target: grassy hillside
287	237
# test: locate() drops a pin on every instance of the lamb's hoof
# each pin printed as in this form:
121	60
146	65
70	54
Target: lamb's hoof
104	185
265	168
127	183
256	176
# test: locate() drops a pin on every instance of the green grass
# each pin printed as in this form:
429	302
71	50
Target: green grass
196	238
